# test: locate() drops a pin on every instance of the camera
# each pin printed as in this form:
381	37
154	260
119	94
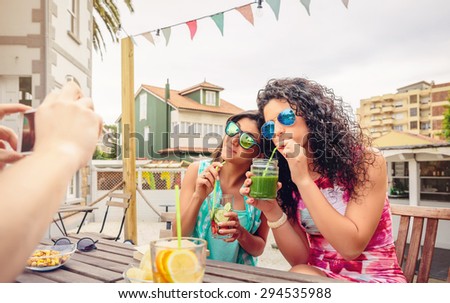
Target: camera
25	143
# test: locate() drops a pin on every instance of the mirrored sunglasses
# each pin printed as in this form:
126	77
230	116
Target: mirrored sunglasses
246	140
286	118
84	244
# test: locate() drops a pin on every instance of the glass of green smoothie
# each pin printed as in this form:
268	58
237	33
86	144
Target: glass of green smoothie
264	179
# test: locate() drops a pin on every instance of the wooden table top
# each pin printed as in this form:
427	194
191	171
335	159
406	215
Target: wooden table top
107	263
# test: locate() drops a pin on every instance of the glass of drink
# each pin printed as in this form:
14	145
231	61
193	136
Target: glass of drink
217	213
173	264
264	179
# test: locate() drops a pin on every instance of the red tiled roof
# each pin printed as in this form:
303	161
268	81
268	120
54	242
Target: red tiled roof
181	102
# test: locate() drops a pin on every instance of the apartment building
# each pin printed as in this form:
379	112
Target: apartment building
417	108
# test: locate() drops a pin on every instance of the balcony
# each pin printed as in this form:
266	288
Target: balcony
386	109
375	110
375	122
388	121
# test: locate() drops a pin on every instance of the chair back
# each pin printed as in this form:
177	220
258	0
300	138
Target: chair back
121	200
421	216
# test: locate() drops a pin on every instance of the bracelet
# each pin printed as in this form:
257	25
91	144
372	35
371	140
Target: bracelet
278	223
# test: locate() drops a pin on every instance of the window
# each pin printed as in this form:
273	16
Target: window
413	99
142	107
210	98
146	133
413	112
425	125
398	116
398	127
413	125
398	104
25	96
74	12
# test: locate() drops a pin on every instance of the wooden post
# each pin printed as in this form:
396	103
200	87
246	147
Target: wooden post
128	131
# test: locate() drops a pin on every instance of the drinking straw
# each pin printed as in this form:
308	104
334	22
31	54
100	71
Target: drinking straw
216	184
178	215
270	159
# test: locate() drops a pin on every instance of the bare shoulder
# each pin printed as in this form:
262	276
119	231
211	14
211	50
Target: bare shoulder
375	158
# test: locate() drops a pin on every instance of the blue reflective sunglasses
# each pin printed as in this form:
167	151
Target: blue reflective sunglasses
286	117
246	140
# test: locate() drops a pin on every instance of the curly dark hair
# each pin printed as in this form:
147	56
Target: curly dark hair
250	114
335	140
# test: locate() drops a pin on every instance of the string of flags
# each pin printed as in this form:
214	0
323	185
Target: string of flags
245	10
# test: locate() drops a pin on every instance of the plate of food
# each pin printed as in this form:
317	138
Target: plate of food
50	257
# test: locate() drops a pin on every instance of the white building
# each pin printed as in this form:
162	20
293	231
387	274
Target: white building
42	44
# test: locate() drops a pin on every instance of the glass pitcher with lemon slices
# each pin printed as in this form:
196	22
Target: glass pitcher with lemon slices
174	263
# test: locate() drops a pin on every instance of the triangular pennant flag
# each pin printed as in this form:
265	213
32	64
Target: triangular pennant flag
275	6
345	3
247	12
306	5
218	19
149	37
166	32
192	27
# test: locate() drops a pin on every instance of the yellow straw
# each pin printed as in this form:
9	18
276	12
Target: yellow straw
270	159
178	214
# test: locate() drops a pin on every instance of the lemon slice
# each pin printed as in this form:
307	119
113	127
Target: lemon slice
138	275
219	216
146	262
161	261
227	206
183	267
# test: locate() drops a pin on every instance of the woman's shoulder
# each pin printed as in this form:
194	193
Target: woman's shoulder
374	156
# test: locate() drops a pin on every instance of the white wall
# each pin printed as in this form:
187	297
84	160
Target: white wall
15	17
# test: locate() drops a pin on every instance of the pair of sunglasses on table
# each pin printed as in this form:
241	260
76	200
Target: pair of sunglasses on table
84	244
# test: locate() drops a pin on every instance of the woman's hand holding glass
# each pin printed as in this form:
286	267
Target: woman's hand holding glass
231	227
270	208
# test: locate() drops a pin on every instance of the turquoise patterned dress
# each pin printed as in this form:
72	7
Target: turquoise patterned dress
250	219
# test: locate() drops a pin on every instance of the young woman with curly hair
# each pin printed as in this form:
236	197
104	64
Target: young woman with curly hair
333	216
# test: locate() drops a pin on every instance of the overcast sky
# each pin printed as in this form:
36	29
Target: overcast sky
371	48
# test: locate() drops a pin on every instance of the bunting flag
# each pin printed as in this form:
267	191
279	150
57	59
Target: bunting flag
275	6
166	32
192	27
218	19
149	37
306	4
247	12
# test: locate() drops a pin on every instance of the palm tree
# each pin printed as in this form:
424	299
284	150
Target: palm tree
110	15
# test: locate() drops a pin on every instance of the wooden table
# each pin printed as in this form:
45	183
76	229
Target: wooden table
110	260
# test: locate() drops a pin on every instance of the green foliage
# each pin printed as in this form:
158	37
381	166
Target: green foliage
446	122
112	144
109	15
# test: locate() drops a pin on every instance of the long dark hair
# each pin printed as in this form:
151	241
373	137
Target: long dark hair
335	139
250	114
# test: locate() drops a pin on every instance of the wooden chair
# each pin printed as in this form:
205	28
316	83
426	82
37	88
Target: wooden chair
120	200
419	214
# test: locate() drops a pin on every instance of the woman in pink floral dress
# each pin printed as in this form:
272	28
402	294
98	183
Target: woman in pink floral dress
333	216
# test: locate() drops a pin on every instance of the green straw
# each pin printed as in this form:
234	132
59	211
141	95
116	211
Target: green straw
270	160
178	214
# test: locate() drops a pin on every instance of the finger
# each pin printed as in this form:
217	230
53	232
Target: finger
70	92
7	134
279	186
12	108
86	102
248	174
9	156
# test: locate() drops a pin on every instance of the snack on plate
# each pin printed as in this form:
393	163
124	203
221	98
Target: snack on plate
46	257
